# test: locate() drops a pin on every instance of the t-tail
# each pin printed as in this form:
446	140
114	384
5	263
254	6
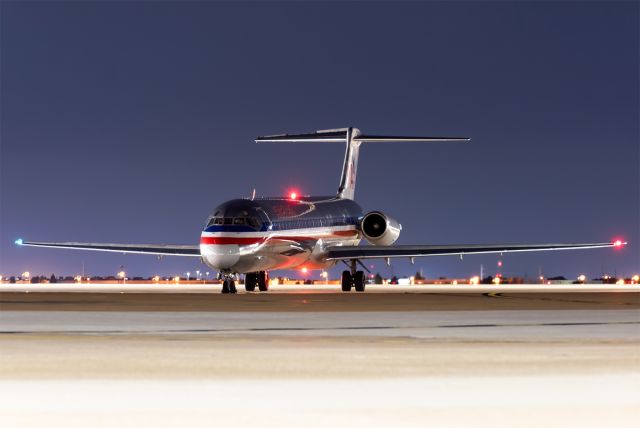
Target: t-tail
353	138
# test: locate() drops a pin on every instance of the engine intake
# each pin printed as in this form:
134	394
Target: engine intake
380	229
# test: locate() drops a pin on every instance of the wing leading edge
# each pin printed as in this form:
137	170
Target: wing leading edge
160	249
371	252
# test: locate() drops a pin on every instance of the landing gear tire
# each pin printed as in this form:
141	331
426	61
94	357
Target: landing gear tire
225	286
358	281
346	280
229	286
263	280
250	281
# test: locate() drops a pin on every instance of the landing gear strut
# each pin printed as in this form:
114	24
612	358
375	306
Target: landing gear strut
353	278
261	279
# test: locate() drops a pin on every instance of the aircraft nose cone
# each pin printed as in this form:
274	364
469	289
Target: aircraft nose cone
220	256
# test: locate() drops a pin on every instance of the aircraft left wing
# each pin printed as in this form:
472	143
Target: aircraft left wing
373	252
159	249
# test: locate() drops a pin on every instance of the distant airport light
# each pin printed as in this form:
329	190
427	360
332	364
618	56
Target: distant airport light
455	282
26	274
496	280
620	282
499	263
78	278
582	278
156	278
176	278
635	279
475	280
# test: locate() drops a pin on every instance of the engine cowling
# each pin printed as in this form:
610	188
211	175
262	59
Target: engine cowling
380	229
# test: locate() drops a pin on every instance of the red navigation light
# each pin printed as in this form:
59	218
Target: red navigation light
499	263
618	243
293	195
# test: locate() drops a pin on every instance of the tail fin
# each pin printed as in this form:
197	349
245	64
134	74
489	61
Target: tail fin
353	138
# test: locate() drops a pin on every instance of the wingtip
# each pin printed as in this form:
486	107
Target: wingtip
18	241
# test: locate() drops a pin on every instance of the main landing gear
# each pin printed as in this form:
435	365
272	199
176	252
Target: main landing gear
253	279
353	278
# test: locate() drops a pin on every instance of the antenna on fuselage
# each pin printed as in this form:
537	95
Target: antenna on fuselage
353	138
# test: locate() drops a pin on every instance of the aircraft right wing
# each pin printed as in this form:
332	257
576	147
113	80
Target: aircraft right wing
372	252
156	249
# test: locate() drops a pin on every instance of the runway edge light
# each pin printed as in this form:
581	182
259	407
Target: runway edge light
18	241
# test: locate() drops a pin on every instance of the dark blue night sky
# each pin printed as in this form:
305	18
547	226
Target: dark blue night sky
130	121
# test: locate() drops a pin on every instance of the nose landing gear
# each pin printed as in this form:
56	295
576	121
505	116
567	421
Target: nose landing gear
228	282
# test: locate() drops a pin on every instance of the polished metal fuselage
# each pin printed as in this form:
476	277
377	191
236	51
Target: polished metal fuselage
288	234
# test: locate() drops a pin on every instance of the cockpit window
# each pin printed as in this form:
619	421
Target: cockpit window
235	221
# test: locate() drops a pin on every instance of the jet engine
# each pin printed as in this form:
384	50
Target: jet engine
380	229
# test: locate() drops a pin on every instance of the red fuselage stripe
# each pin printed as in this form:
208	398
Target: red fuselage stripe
224	240
219	240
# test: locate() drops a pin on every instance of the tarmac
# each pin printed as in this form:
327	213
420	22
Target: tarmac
414	355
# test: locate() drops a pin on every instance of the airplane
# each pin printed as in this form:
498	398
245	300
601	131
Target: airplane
254	236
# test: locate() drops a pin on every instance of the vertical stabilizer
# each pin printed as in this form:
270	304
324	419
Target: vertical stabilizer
347	187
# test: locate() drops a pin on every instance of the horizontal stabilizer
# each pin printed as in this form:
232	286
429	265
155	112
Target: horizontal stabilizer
341	136
398	139
329	136
353	139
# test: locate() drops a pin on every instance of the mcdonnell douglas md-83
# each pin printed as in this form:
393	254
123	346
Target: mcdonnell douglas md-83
253	236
